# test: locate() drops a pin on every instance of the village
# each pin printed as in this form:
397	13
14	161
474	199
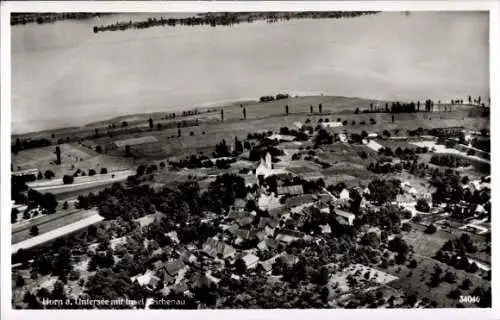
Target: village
315	215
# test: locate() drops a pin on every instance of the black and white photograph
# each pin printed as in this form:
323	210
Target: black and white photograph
248	159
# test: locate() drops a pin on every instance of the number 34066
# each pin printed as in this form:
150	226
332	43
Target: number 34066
469	299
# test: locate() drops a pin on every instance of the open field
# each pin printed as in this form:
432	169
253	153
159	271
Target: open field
21	232
426	244
58	228
73	157
443	149
339	286
35	158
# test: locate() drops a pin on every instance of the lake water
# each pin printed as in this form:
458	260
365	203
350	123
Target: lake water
63	74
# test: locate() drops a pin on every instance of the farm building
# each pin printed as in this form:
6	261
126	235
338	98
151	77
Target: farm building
288	236
250	260
343	137
290	190
214	247
173	267
147	280
405	199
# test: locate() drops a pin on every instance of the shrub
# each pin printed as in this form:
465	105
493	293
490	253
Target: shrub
49	174
430	229
67	179
92	172
423	205
34	231
104	171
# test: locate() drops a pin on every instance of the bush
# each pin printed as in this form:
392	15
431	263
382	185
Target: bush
417	219
92	172
49	174
454	294
34	231
449	160
67	179
406	227
104	171
13	215
412	264
423	205
430	229
450	277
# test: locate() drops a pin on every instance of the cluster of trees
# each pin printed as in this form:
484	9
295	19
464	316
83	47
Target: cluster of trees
45	17
388	218
188	113
448	184
29	144
323	137
383	191
21	194
449	160
423	205
299	135
259	152
192	162
279	96
398	107
222	150
136	201
384	167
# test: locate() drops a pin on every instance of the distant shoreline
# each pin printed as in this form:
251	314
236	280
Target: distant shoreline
50	17
228	19
204	107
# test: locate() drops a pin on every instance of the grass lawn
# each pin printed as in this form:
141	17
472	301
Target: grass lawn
425	244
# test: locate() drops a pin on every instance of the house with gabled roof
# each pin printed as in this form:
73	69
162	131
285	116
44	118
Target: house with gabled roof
345	217
260	234
288	236
250	260
200	280
262	246
213	248
245	221
267	265
173	267
265	221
